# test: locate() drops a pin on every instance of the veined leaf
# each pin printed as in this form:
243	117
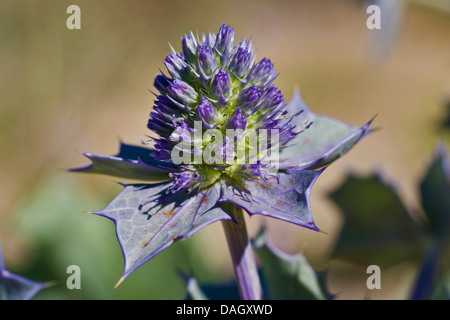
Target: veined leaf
286	198
132	162
148	219
323	140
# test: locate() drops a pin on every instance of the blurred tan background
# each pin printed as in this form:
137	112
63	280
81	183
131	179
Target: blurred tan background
63	92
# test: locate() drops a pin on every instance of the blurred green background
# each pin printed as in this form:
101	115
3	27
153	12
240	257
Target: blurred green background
69	91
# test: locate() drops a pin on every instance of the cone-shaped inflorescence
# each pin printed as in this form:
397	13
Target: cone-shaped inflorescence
217	84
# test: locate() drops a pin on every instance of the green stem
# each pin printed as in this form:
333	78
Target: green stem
242	256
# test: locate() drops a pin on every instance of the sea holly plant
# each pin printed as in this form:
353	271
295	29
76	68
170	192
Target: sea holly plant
225	140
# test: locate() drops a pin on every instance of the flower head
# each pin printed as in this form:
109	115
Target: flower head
225	136
220	86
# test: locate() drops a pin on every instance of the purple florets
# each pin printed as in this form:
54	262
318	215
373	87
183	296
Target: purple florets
217	83
220	86
224	43
262	74
207	62
241	62
238	121
182	92
207	113
249	98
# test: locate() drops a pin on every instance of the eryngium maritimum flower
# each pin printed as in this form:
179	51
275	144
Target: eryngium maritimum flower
223	88
214	85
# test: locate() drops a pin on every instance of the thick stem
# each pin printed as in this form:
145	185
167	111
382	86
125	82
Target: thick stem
242	256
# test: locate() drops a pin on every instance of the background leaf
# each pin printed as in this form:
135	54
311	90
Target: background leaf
224	291
442	289
377	227
15	287
435	191
287	277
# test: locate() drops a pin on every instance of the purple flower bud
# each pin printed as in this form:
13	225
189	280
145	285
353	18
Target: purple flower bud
163	148
189	45
158	125
226	151
209	39
182	132
220	86
241	62
262	73
206	112
183	92
225	43
161	83
206	59
238	121
272	98
225	39
247	45
249	98
166	106
175	65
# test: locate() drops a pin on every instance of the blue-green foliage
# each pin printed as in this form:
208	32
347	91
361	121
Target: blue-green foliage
378	229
